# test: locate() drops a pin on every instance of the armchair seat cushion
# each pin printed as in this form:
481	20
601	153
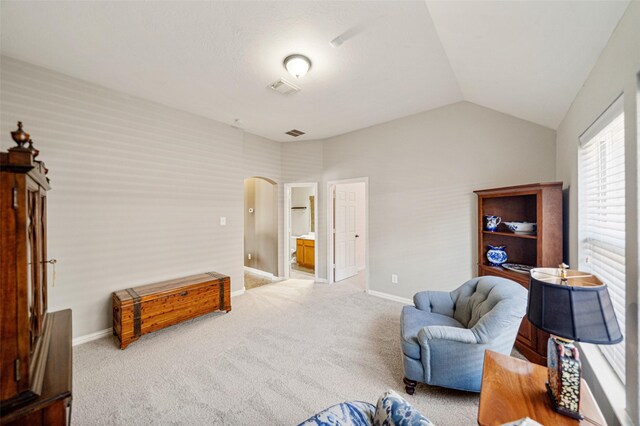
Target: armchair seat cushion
413	320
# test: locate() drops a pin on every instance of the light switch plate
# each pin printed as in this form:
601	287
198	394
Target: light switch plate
223	221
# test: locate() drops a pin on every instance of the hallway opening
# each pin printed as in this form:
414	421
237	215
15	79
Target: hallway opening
260	231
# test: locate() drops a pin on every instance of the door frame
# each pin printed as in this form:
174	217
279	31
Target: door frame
331	185
287	226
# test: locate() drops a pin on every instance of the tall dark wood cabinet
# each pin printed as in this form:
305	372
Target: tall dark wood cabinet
540	203
35	346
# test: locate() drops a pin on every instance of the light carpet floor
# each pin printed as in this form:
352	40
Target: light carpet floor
302	274
286	351
252	281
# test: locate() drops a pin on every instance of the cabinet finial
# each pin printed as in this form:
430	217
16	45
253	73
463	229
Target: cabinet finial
33	149
19	136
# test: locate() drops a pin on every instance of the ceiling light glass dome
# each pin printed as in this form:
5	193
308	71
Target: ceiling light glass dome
297	65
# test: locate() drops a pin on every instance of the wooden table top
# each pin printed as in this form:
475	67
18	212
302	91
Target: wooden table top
513	389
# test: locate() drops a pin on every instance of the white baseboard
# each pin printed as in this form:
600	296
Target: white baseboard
390	297
261	273
238	292
91	337
322	280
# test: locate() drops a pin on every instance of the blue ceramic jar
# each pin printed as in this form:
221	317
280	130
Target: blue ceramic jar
496	255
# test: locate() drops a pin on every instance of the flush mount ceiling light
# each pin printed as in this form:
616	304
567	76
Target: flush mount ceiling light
297	65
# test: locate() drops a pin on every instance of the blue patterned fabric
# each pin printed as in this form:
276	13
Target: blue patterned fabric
351	413
393	410
484	313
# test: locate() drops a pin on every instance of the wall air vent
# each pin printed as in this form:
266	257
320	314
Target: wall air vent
295	133
284	87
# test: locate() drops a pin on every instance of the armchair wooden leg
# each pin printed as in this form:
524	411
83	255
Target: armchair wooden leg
409	385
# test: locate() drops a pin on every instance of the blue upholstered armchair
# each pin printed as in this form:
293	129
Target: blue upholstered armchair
445	334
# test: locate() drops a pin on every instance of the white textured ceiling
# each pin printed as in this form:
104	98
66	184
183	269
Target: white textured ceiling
524	58
216	59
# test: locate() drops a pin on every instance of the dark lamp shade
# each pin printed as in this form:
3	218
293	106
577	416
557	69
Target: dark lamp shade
580	311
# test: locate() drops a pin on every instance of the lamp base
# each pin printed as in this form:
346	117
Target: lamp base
560	409
564	368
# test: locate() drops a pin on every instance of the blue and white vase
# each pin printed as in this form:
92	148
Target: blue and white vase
496	255
492	222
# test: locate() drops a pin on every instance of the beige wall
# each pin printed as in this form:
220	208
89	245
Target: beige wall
422	171
138	188
615	72
261	225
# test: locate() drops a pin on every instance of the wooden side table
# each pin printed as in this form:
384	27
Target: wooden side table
513	389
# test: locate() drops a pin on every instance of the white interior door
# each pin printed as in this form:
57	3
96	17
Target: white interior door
345	236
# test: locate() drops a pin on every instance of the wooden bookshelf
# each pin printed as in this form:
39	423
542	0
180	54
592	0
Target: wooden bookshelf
540	203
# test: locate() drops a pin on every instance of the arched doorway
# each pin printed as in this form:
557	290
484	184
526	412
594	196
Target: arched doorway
260	230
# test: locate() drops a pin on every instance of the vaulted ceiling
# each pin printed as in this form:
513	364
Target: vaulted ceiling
217	59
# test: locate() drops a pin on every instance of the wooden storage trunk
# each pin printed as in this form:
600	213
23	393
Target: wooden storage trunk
144	309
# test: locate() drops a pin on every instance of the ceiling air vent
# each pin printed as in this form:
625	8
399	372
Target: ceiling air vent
295	133
283	87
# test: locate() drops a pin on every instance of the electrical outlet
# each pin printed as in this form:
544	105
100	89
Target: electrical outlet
394	279
249	256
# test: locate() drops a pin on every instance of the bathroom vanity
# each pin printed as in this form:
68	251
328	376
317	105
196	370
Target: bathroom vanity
306	252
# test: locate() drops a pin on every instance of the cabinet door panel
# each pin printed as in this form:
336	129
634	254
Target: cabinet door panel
13	322
43	247
34	297
300	252
527	333
309	256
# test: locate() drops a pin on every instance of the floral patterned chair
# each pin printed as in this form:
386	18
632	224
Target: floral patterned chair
391	410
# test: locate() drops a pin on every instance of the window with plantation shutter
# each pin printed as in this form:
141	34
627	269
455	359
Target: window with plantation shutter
601	209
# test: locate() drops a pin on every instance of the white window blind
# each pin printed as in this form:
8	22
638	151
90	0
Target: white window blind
601	209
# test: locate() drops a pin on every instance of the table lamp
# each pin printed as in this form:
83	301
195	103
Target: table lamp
572	306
